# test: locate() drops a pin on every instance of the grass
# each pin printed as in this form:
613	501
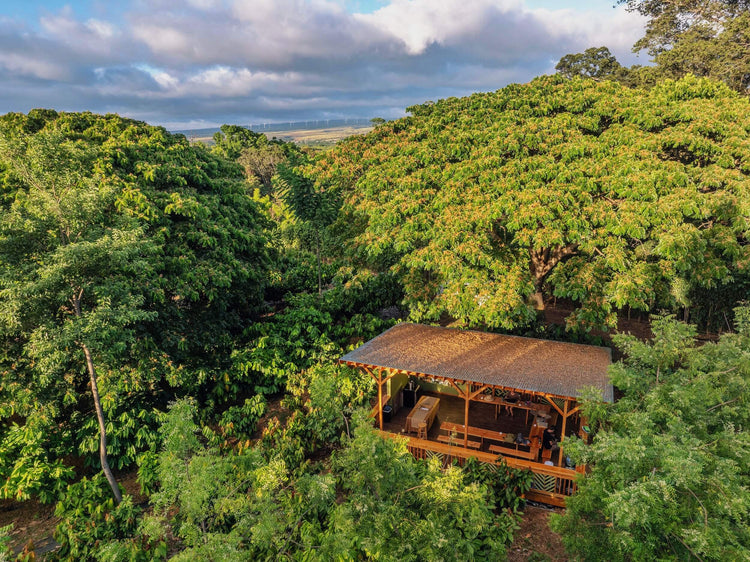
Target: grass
316	138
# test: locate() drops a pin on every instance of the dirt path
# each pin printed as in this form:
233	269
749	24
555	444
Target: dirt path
31	521
36	522
535	541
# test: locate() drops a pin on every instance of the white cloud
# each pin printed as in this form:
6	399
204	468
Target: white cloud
227	82
94	35
164	40
419	23
28	65
100	28
183	60
618	29
204	4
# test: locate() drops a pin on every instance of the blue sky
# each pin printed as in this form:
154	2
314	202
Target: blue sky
201	63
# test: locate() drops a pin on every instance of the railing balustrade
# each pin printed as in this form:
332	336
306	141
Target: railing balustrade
551	484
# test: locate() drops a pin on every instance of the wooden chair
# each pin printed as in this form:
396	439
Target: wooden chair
422	431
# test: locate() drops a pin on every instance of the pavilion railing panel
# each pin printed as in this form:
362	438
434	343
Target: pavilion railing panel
551	484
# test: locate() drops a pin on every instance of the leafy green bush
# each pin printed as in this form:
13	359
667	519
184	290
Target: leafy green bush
669	478
254	506
6	552
507	484
28	466
239	421
130	431
310	330
398	508
90	521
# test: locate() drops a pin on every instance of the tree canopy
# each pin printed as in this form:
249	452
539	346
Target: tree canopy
597	63
126	252
258	155
708	38
671	459
592	192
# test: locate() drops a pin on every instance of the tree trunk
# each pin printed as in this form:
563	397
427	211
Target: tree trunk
320	279
542	262
102	432
538	300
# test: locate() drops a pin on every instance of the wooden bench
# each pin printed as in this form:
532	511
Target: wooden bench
375	409
474	432
531	455
459	441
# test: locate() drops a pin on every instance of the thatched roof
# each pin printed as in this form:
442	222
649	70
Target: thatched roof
527	364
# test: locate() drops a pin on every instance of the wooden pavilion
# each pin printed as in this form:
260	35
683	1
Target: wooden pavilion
480	367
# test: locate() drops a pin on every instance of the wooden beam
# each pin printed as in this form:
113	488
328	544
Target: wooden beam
465	394
478	392
466	420
453	384
562	434
552	403
574	410
389	377
380	399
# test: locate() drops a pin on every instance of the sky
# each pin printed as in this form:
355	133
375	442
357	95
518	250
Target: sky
201	63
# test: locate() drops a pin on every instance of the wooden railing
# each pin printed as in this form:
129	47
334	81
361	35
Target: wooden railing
551	484
376	409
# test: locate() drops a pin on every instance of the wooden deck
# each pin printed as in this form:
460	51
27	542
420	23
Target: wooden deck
480	415
551	483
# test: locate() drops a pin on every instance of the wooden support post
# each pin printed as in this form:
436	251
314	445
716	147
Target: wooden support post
465	393
380	398
562	434
466	417
552	403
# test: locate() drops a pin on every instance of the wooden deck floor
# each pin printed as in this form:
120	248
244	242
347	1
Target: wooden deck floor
481	415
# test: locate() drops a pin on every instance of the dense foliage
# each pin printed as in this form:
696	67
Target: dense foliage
708	38
597	63
671	459
190	304
609	197
125	254
373	500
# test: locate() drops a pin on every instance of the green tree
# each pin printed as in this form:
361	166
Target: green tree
74	273
261	163
315	206
121	241
597	63
701	37
231	140
258	155
670	476
606	196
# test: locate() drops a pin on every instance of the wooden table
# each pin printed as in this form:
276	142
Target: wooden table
476	432
499	403
424	412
